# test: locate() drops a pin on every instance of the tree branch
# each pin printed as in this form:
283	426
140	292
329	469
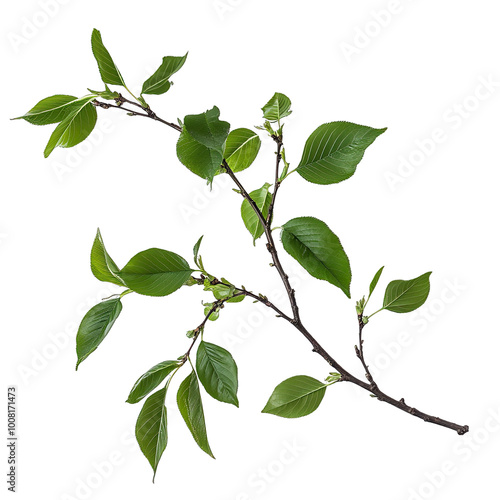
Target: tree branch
360	353
277	183
295	320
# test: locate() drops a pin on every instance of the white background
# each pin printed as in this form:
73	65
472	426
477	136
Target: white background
421	67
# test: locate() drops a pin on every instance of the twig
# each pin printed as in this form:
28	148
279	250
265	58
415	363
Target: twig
277	183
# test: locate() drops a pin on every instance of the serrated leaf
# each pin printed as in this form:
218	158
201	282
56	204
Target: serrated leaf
151	428
296	397
201	144
102	265
318	250
375	279
217	372
107	68
262	198
159	82
277	107
242	147
52	109
155	272
94	327
191	408
333	151
406	296
151	380
75	127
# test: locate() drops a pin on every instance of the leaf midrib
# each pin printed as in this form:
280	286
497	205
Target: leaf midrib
399	296
323	264
301	397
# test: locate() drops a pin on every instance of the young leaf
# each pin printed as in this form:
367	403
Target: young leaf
151	428
296	397
191	408
159	82
75	127
51	109
333	151
95	326
242	147
105	94
102	265
151	380
406	296
109	72
318	250
262	198
375	279
277	107
155	272
196	250
218	372
201	144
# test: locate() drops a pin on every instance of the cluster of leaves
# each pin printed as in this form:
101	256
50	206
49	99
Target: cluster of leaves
207	147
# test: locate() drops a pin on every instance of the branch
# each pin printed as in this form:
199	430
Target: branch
199	329
270	244
277	183
148	113
360	353
295	320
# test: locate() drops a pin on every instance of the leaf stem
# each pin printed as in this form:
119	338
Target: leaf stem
373	314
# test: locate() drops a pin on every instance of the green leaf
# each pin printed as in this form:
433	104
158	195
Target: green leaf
155	272
277	107
95	326
375	279
52	109
151	428
296	397
242	147
406	296
109	72
102	265
218	372
105	94
191	408
159	82
196	250
262	198
75	127
201	144
151	380
318	250
333	151
214	316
